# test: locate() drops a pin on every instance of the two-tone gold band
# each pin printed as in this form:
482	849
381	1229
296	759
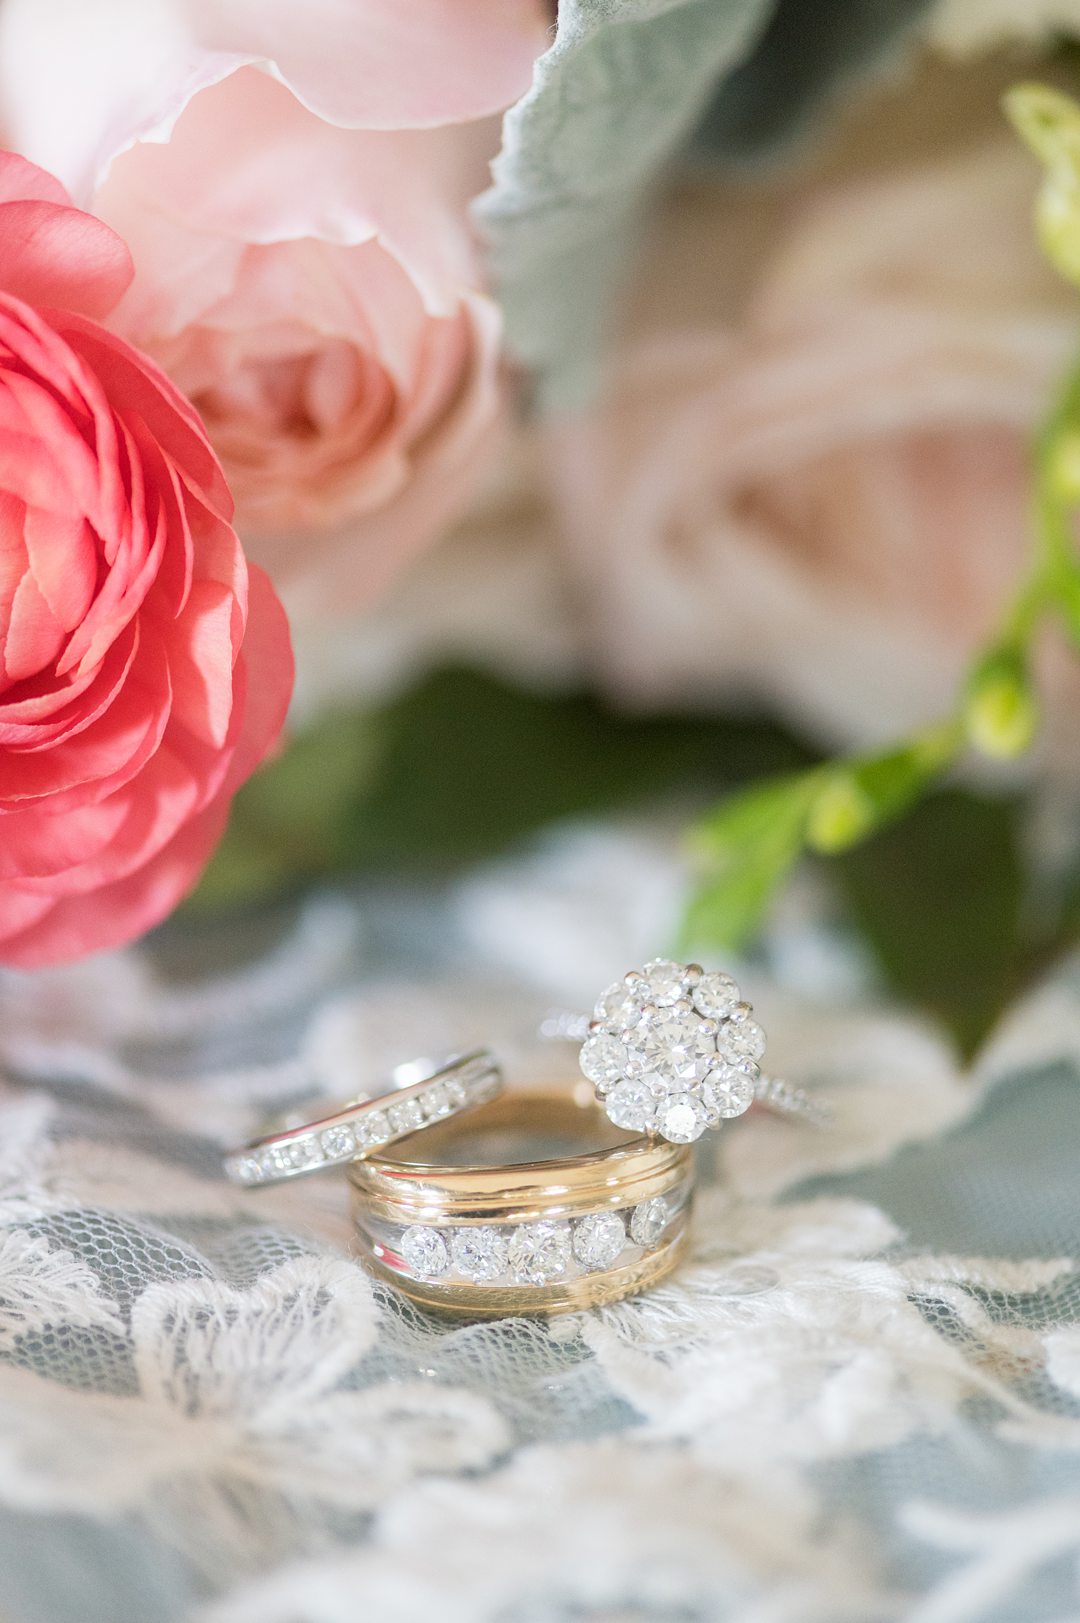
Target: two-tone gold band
535	1203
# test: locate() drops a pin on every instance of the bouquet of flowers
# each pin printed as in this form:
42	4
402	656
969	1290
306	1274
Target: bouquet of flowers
658	402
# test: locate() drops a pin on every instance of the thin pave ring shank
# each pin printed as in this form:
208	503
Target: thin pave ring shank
364	1125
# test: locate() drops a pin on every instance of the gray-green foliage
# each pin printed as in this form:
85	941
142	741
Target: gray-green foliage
623	87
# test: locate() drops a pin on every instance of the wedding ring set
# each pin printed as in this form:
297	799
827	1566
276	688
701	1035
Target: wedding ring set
548	1198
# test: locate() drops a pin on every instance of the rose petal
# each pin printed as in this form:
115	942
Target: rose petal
291	177
36	930
52	254
81	84
201	662
63	554
267	663
21	181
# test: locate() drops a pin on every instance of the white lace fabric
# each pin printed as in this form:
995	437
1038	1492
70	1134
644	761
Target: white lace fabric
859	1397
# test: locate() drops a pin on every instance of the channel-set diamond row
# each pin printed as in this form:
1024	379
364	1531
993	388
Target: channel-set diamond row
673	1050
342	1141
533	1253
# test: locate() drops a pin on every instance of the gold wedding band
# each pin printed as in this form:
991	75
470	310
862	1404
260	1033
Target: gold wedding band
503	1212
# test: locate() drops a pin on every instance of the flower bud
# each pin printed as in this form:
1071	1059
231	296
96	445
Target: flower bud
1001	714
1063	470
842	813
1050	124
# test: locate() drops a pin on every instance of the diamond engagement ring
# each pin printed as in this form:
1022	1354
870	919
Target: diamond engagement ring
419	1094
673	1050
535	1205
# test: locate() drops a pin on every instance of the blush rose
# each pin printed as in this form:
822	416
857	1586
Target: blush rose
823	504
294	187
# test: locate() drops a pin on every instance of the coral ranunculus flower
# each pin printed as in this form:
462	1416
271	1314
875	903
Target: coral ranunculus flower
144	670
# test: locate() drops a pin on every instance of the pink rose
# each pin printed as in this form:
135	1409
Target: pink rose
824	505
293	182
144	672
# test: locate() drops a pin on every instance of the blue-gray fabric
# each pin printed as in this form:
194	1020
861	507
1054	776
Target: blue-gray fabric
1003	1184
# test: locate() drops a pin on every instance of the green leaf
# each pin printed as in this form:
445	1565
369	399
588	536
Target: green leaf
938	897
753	839
745	818
292	820
621	87
459	768
470	765
863	794
727	912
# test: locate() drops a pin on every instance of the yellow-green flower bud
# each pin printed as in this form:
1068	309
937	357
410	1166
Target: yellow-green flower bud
1050	124
1001	714
840	815
1063	467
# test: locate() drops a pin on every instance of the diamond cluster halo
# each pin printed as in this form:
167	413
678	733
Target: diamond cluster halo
673	1049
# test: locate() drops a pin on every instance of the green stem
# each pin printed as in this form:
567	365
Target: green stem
1055	559
1056	548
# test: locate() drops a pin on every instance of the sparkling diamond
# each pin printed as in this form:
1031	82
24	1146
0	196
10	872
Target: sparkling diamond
741	1039
373	1129
603	1057
539	1252
631	1105
728	1092
662	1086
249	1169
338	1143
406	1116
678	1044
425	1250
648	1221
598	1239
637	1064
456	1094
435	1102
620	1006
304	1152
681	1119
716	996
666	981
291	1156
480	1252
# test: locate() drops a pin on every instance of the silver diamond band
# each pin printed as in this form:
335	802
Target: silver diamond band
418	1096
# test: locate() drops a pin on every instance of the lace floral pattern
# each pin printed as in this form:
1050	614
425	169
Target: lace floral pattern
787	1428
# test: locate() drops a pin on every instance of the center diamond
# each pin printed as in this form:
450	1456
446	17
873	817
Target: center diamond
676	1044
